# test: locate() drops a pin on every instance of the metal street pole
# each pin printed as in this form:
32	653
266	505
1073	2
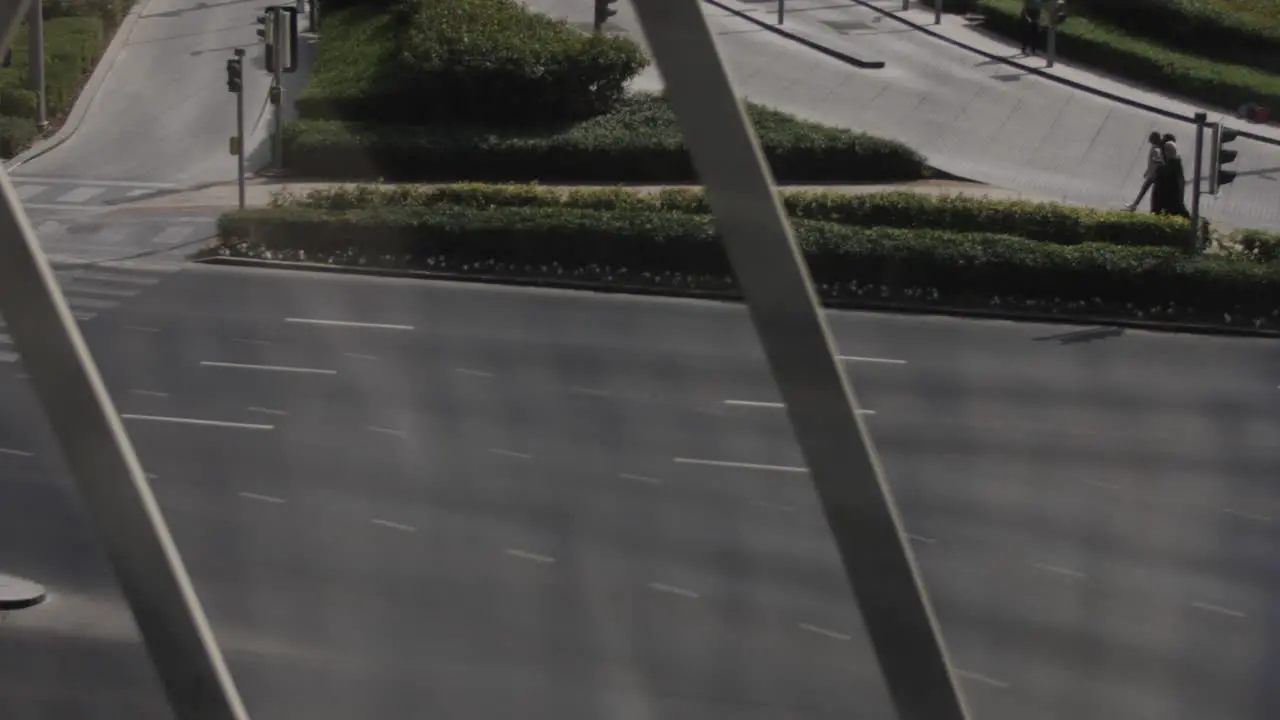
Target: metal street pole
1215	141
906	5
35	60
1201	118
1053	33
277	90
103	463
821	406
937	12
239	53
782	4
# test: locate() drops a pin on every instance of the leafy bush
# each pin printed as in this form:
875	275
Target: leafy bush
72	48
637	142
1045	222
111	12
1110	49
678	248
959	7
1259	246
482	61
1247	33
16	133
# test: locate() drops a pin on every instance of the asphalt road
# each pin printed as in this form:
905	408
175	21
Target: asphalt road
506	499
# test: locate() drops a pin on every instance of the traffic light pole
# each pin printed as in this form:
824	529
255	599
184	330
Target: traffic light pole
1201	118
104	466
239	52
1053	33
35	61
782	5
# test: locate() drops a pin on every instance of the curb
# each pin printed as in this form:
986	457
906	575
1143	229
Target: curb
733	296
819	47
1040	72
88	93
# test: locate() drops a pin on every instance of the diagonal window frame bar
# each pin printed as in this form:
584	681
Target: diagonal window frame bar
177	635
820	403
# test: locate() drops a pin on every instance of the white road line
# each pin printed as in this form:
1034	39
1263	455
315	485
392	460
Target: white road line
151	476
1058	570
360	356
475	373
103	183
113	278
1249	515
855	358
90	303
26	192
141	328
1104	485
247	341
196	421
263	498
265	411
773	506
269	368
525	555
739	465
575	390
16	453
510	453
347	323
5	339
640	478
388	431
150	393
104	291
660	587
982	678
394	525
823	631
83	316
921	539
1208	607
9	356
775	405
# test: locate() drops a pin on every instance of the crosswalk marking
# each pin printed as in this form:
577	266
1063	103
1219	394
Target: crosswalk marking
5	339
8	357
82	181
172	235
91	303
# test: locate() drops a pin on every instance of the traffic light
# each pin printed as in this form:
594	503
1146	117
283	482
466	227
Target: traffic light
8	58
235	75
267	34
1221	156
603	13
286	27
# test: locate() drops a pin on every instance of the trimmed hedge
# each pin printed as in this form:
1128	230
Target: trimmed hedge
1110	49
72	48
678	249
477	61
1044	222
1246	32
639	141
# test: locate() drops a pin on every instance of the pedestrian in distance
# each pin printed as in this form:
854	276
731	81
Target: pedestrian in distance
1030	26
1155	161
1171	181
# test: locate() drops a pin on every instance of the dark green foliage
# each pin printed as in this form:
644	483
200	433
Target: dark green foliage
927	265
637	142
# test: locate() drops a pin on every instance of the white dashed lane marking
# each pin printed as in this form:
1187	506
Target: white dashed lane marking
640	478
393	525
1209	607
510	454
739	465
526	555
921	539
150	393
388	431
197	421
473	373
15	453
1259	517
347	323
268	368
1058	570
855	358
360	356
982	679
673	590
823	631
265	411
262	498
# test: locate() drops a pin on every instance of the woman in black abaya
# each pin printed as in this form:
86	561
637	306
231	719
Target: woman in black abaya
1168	196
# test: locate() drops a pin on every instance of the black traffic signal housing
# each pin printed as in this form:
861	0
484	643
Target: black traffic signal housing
287	37
235	75
1222	156
603	13
267	34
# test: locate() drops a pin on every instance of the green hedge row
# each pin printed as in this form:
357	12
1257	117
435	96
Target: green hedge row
1110	49
1247	33
1044	222
478	61
639	141
929	266
72	48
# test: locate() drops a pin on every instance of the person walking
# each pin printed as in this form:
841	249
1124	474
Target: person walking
1030	26
1171	181
1155	161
